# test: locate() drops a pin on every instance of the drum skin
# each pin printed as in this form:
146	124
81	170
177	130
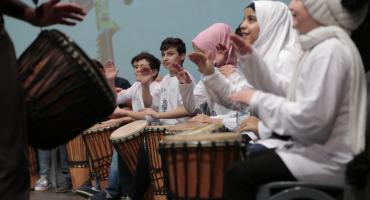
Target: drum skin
64	92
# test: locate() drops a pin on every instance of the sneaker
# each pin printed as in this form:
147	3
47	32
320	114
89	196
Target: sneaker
66	186
87	190
103	195
42	184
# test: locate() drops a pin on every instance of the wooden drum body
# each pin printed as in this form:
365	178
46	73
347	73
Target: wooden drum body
100	149
127	140
153	136
194	165
78	161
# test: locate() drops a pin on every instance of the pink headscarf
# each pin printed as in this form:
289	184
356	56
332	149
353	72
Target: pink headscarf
208	39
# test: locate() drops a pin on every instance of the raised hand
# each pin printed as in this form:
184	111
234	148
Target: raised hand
240	45
54	12
203	62
180	73
221	55
110	70
243	96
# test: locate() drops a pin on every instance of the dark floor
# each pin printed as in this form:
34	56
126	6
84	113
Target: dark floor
51	195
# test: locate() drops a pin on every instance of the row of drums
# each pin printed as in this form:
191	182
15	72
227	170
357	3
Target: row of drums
186	160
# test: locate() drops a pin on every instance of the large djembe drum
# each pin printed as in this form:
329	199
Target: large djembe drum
100	149
153	136
64	92
194	164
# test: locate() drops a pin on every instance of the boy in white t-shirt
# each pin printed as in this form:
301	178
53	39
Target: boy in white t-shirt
168	104
146	68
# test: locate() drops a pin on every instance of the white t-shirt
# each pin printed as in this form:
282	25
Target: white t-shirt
169	98
135	94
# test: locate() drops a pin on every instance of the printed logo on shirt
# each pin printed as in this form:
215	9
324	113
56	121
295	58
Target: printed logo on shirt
164	105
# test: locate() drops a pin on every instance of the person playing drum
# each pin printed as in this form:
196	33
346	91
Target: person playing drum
214	39
168	104
14	174
146	68
167	107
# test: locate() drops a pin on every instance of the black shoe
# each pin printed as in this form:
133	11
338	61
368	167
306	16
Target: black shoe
87	191
103	195
65	187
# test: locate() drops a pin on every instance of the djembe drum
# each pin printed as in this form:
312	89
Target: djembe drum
153	135
127	140
78	161
100	149
194	164
64	92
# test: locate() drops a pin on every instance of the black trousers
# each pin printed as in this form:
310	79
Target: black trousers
14	171
243	178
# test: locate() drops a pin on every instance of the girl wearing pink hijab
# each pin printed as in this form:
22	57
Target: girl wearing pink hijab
215	41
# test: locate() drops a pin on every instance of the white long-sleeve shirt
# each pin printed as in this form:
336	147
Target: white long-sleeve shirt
318	118
135	94
195	98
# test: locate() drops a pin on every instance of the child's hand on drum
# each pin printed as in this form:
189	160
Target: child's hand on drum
117	113
202	118
250	124
151	112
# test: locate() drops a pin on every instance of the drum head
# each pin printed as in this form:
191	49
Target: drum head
205	129
184	127
128	130
102	127
204	139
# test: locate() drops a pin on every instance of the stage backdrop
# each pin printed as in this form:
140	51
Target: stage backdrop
119	29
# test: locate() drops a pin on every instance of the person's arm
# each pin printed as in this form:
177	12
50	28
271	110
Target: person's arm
193	98
119	113
321	95
48	13
178	112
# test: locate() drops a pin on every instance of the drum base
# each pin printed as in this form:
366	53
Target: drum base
79	176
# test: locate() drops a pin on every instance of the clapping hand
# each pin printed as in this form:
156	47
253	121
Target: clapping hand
203	61
240	45
180	73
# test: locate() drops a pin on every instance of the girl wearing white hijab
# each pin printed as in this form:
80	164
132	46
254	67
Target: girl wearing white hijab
268	26
325	108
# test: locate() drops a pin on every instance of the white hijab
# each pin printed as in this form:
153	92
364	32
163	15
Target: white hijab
357	109
337	23
277	40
